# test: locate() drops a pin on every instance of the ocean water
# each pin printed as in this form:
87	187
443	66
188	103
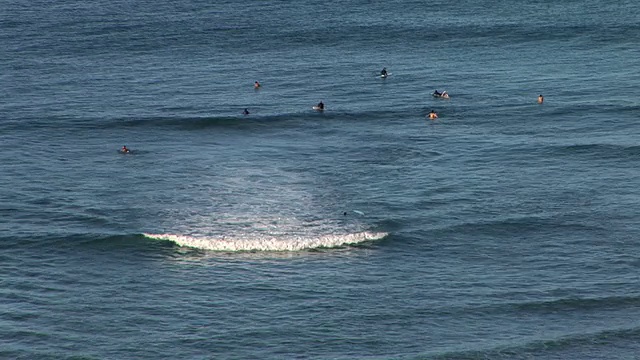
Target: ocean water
505	229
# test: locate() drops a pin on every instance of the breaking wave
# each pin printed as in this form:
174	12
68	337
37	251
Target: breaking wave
269	243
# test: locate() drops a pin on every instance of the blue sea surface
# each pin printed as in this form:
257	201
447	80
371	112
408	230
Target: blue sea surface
504	229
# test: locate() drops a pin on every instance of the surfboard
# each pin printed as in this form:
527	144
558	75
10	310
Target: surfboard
317	108
384	76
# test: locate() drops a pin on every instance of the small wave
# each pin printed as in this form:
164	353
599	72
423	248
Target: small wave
241	121
558	347
580	304
604	151
219	119
193	123
521	224
267	243
562	305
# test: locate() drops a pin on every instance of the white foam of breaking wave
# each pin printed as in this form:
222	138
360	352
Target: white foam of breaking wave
268	243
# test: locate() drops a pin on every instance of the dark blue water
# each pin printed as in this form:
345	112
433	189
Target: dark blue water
504	229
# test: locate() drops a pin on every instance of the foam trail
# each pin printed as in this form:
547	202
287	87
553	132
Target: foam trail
268	243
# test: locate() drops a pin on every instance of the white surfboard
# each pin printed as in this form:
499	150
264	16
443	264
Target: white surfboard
317	108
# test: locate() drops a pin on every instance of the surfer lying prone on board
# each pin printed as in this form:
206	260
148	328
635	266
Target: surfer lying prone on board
319	107
443	95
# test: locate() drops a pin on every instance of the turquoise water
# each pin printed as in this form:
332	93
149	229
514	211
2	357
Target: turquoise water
505	229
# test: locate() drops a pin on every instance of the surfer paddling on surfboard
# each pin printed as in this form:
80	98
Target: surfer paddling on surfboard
319	107
443	95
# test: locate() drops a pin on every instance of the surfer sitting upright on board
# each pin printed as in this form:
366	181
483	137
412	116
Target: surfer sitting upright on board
383	73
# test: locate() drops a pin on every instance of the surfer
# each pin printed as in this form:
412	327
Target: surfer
433	115
256	85
540	99
384	73
320	106
436	93
245	112
124	149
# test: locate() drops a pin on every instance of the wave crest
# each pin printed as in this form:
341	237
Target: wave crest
269	243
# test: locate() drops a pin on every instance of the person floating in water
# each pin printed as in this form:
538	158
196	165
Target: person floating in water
433	115
245	112
124	149
320	106
256	85
384	73
540	99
